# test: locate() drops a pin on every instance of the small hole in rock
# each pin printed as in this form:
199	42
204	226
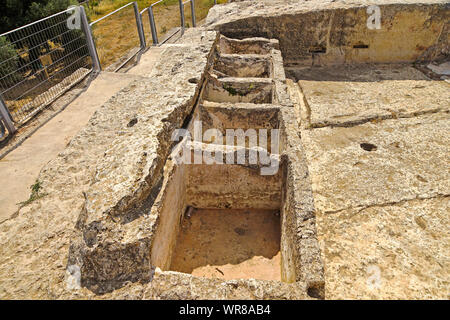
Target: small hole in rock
193	80
361	46
317	49
315	292
132	122
368	146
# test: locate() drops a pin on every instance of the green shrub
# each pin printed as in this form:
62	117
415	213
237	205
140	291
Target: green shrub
9	62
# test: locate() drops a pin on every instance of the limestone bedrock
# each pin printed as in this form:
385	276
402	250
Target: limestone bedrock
107	153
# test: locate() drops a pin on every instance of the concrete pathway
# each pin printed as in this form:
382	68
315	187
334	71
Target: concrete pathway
21	167
147	61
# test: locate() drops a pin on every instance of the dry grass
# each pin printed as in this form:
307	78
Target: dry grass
117	35
106	6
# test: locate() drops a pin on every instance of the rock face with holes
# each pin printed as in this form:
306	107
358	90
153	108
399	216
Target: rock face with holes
339	146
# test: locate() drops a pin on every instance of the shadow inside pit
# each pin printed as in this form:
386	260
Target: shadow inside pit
229	244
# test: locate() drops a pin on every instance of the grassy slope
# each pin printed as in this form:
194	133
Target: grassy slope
117	34
106	6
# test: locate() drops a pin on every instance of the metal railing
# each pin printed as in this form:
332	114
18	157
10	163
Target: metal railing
117	37
6	122
165	23
41	61
190	13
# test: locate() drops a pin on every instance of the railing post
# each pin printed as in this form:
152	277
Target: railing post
151	17
5	117
193	12
90	40
140	27
182	16
215	2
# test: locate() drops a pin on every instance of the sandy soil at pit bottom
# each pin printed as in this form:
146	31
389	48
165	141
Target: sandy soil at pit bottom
229	244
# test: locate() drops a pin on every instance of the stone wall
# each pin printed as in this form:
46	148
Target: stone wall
336	32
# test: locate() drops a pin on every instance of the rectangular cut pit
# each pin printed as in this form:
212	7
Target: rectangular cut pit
251	118
223	220
242	66
247	90
229	244
205	201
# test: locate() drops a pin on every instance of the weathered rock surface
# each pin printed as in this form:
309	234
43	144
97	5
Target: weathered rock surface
408	160
303	250
35	244
398	251
359	97
96	231
322	32
337	103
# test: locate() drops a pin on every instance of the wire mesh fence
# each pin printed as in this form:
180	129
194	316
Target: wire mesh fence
116	36
39	62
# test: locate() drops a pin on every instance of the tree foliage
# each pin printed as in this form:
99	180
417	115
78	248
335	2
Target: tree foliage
16	13
8	62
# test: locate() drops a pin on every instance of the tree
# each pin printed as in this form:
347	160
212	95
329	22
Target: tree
45	8
12	13
16	13
8	63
